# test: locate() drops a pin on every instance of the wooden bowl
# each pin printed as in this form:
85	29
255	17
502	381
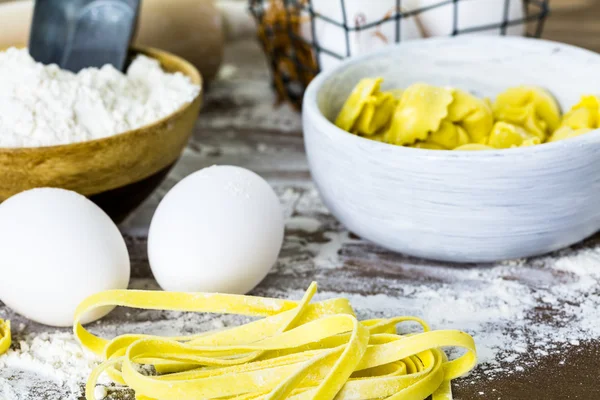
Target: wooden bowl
463	206
118	172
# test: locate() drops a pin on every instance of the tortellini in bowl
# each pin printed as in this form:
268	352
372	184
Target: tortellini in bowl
446	118
465	149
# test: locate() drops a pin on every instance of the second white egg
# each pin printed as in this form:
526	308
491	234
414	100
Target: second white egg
218	230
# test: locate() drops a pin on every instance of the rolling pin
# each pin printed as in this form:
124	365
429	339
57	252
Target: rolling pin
193	29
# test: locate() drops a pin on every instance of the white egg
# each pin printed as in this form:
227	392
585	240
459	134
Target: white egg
57	249
218	230
439	21
358	14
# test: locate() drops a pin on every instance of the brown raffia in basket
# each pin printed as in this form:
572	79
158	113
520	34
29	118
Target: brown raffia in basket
293	61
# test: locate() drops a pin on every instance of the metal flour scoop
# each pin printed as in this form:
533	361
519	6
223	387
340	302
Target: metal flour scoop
77	34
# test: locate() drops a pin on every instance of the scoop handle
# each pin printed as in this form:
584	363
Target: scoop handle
77	34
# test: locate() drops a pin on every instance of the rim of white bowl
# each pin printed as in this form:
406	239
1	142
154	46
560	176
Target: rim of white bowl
311	107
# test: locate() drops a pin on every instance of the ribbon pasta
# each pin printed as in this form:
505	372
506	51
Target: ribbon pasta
296	350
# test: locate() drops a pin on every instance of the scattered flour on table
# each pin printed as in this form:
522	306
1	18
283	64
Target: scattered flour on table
541	306
499	305
55	357
489	303
43	105
254	100
305	224
100	392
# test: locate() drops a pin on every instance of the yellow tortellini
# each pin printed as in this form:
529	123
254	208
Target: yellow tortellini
367	110
420	111
448	136
443	118
567	132
428	146
354	105
474	147
505	136
375	114
582	118
530	107
472	114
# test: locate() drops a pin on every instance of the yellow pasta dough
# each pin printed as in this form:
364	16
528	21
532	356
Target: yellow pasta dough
468	119
367	110
425	116
355	103
530	107
566	132
472	114
4	336
397	93
585	114
428	146
441	118
295	350
448	136
505	136
582	118
419	112
474	147
375	114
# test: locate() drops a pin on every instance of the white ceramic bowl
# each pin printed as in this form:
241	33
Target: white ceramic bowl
455	205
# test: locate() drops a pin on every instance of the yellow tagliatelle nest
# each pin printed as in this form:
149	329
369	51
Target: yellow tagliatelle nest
442	118
295	350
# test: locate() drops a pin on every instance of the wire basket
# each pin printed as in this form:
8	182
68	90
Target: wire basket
302	37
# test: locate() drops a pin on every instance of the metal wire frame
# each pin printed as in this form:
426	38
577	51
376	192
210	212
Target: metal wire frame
295	60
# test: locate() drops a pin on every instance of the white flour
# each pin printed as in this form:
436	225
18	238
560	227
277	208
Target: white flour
56	357
42	105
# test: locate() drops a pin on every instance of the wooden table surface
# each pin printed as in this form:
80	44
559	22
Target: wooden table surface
240	126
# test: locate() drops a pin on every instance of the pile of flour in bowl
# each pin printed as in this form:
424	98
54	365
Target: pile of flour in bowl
42	105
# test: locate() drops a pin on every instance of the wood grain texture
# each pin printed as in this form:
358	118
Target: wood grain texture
97	166
575	22
407	199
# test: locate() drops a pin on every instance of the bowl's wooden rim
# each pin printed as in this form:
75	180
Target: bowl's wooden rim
184	66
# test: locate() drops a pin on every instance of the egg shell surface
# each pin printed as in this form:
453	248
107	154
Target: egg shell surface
472	14
356	13
218	230
57	249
